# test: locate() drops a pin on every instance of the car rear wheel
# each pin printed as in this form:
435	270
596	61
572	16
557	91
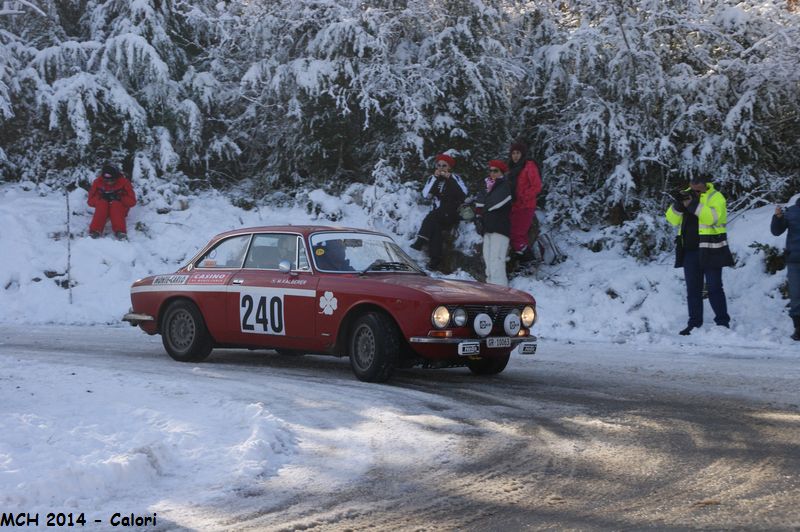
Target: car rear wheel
374	347
184	333
489	366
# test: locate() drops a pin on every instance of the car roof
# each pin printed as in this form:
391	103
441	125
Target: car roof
304	230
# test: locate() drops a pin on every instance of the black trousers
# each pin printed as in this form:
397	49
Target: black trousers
694	274
433	228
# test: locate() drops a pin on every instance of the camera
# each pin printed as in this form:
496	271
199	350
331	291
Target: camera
680	196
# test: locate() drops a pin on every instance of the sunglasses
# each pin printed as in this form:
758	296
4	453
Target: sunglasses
442	165
494	171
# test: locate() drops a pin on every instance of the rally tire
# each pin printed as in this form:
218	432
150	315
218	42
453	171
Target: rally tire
184	332
489	366
374	347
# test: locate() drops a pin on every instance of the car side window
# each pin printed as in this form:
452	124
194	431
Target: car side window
226	254
268	250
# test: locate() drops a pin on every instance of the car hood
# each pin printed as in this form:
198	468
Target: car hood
457	291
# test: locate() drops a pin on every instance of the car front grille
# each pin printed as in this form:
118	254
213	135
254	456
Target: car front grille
498	313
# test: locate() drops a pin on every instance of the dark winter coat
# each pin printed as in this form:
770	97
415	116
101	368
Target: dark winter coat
495	208
448	195
791	221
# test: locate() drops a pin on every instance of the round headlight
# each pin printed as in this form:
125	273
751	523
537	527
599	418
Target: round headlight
440	317
528	316
460	317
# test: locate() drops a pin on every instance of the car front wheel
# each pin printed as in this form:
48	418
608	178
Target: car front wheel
374	347
184	333
489	366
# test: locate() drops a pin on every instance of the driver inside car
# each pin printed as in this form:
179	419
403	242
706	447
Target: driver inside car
330	256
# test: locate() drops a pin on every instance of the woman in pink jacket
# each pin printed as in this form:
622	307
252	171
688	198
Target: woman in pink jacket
111	196
523	174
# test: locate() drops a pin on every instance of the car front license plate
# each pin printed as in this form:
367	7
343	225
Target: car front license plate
469	348
498	342
528	348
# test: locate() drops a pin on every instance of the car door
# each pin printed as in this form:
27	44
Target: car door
275	308
209	284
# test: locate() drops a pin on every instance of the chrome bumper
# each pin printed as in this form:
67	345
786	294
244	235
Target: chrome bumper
135	319
471	346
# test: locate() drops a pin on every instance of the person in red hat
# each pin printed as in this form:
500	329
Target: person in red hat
448	192
112	197
493	210
523	175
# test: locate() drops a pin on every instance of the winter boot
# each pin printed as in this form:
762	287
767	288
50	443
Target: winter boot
94	234
687	331
121	236
796	334
525	255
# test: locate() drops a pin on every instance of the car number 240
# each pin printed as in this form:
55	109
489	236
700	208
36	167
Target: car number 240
261	314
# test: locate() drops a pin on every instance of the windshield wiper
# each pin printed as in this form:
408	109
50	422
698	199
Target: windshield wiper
383	265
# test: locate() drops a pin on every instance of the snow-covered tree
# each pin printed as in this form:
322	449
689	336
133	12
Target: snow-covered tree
635	97
337	88
106	80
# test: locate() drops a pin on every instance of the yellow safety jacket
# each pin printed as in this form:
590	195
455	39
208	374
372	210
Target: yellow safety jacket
712	216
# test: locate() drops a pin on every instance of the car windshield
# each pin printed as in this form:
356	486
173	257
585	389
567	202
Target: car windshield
359	252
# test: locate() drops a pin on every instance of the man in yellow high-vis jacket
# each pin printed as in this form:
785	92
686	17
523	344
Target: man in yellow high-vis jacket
702	249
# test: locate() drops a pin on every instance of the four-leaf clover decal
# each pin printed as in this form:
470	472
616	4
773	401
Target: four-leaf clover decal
328	303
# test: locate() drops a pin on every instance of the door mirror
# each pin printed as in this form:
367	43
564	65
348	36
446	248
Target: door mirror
285	266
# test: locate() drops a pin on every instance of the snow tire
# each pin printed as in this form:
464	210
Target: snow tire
374	347
184	333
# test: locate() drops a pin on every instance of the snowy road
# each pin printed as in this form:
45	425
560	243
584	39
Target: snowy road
604	436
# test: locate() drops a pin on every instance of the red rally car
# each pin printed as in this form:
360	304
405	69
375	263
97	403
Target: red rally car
326	290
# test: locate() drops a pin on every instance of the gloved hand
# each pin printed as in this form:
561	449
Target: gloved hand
678	197
110	196
479	225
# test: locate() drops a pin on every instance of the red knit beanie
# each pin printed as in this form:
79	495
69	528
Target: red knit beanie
500	165
446	158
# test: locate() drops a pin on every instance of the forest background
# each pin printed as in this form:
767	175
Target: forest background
620	101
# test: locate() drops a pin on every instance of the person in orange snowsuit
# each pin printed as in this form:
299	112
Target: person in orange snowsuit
112	197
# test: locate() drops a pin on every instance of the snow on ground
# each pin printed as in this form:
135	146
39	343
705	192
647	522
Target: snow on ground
119	429
96	438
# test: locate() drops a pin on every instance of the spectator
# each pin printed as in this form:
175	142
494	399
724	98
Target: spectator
493	210
525	181
702	248
448	191
111	196
781	221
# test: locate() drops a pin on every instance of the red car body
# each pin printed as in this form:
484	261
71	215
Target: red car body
233	293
